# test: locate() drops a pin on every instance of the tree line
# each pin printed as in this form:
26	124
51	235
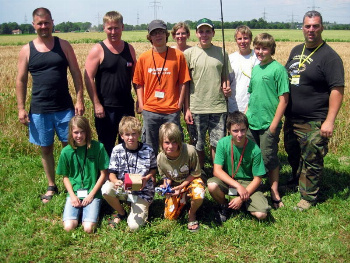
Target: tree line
6	28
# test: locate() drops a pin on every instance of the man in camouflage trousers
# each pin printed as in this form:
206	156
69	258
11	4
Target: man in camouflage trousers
316	74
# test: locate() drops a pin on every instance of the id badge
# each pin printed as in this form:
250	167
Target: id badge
232	191
295	80
82	193
159	94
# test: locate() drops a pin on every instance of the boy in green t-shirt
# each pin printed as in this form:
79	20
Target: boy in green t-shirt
269	94
238	167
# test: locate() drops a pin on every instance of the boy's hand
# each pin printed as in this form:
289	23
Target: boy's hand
177	190
243	193
272	129
87	200
235	203
118	183
75	201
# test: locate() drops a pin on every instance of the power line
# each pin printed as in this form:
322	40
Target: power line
155	7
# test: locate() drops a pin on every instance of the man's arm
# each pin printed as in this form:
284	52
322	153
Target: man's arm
21	84
92	63
76	75
335	101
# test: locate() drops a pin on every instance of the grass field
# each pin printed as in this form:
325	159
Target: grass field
32	232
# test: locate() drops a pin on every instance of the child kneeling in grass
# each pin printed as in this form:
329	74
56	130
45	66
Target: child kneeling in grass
83	164
179	165
238	167
131	157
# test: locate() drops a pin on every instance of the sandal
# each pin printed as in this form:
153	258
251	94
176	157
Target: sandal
191	224
111	221
277	203
52	188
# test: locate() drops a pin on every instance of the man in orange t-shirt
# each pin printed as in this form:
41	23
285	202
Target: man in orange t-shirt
160	76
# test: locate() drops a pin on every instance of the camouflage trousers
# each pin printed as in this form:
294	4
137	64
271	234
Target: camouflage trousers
306	149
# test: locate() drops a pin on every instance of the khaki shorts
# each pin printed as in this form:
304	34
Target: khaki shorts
257	201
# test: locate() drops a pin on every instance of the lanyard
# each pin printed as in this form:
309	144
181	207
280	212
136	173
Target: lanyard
240	159
302	62
81	168
155	67
251	66
127	161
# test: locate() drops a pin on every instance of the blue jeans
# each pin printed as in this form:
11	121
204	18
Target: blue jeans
88	213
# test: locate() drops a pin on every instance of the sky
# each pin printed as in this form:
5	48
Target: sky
136	12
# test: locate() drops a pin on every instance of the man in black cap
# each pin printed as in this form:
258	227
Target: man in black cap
160	76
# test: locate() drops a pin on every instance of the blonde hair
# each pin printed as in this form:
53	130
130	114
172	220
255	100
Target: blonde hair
113	16
171	132
265	40
129	123
81	123
244	30
178	26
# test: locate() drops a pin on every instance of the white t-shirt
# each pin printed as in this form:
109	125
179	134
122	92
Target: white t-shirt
241	69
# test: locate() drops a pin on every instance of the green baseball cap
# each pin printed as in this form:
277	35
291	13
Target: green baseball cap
205	22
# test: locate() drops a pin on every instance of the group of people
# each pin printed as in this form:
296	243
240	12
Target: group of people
244	95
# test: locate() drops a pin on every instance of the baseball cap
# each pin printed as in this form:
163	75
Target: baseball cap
155	24
206	22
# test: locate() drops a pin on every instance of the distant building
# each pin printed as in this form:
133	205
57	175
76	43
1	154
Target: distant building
16	32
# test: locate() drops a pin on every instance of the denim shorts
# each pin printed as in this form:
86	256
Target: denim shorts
88	213
42	127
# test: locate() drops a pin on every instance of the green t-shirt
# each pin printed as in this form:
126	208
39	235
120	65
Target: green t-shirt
206	68
252	163
180	168
268	82
71	164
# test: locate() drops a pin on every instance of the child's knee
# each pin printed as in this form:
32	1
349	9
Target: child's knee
69	225
213	187
259	215
89	227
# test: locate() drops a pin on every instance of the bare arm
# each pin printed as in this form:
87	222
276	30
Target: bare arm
87	200
92	62
281	107
139	93
187	111
21	84
226	88
76	75
182	88
151	175
335	101
75	201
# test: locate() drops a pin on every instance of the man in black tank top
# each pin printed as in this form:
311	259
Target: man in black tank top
109	68
47	59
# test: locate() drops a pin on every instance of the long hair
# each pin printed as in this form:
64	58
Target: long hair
81	123
172	132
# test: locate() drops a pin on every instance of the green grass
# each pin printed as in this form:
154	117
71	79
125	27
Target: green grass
33	232
140	36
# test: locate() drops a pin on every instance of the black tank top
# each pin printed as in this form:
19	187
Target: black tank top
50	85
113	78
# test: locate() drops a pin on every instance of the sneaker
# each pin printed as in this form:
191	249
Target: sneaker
223	213
303	205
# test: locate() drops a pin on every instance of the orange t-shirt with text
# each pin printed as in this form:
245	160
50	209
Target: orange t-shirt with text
175	72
